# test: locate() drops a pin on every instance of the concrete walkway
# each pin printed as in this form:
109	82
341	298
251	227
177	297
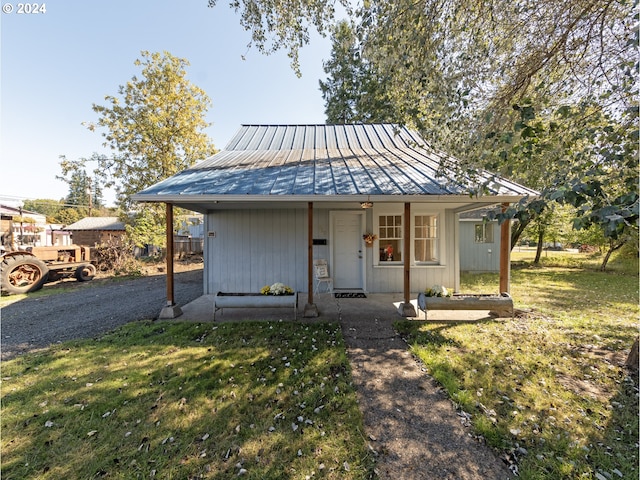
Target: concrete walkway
410	423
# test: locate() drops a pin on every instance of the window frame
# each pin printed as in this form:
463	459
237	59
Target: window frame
395	210
486	227
437	239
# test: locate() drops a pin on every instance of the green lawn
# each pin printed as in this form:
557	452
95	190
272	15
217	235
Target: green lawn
273	400
547	388
178	400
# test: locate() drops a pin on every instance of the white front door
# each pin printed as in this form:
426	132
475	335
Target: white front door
347	250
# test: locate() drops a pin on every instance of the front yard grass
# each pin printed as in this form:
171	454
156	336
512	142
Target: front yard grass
549	388
264	400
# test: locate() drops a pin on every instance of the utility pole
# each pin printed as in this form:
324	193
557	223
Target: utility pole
90	195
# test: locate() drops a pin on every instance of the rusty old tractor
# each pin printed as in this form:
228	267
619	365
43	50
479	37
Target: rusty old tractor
28	270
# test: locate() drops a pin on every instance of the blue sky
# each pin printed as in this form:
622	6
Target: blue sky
56	65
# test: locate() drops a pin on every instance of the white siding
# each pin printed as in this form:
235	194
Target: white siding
256	247
390	279
479	257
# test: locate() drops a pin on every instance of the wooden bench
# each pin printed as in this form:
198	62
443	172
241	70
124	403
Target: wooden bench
254	300
499	306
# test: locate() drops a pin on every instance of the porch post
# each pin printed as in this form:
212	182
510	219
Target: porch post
310	309
505	253
407	309
170	310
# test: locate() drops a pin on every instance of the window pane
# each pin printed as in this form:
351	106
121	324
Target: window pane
426	238
390	238
483	233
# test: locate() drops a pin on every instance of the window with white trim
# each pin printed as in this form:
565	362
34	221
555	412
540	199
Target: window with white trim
390	238
425	238
484	232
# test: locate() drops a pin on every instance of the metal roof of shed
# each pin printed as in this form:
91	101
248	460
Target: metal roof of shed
97	223
321	162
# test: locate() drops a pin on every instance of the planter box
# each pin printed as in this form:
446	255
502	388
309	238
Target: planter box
500	306
254	300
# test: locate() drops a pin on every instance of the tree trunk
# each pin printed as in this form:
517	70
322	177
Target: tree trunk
540	244
633	359
612	248
516	231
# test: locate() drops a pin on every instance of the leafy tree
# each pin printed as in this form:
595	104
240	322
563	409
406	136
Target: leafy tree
353	93
454	68
451	62
154	126
586	157
284	24
84	192
143	229
48	207
60	211
69	215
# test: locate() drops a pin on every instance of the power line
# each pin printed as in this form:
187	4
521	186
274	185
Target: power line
46	202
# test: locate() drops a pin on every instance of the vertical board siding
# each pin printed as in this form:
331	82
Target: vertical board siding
475	257
390	279
257	247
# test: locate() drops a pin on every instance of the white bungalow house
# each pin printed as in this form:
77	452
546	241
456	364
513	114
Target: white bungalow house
279	196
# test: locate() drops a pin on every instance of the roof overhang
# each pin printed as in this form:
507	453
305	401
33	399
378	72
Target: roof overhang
205	203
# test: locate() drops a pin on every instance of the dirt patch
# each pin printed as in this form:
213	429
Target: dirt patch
583	388
187	264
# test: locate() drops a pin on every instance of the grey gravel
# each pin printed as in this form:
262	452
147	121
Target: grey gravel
88	310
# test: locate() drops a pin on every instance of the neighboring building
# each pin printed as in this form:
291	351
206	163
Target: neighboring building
93	231
23	227
273	184
479	243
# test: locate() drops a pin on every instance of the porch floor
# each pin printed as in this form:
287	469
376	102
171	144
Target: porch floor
375	306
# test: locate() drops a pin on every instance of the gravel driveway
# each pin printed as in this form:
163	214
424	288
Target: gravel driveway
88	310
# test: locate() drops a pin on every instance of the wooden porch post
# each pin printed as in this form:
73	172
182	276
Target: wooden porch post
170	310
169	260
505	253
310	309
310	251
407	309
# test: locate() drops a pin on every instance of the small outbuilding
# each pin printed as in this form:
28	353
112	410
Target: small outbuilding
93	231
479	242
371	200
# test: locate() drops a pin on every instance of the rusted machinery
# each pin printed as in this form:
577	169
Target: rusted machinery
28	270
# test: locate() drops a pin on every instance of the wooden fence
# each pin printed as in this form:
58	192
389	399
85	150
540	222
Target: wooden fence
187	246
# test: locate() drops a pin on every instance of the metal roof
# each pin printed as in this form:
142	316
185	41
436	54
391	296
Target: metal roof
97	223
321	162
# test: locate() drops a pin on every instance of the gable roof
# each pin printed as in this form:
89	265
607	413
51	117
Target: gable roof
97	223
321	162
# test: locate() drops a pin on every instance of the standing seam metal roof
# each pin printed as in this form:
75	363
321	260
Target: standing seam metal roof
326	160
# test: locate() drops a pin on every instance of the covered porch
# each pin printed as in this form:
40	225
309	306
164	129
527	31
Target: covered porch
376	306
